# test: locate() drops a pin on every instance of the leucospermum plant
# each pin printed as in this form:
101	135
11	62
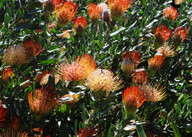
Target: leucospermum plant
108	68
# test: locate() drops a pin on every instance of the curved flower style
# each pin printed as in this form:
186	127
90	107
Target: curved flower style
88	132
167	51
3	116
132	98
6	74
32	48
161	35
12	133
118	8
179	35
170	13
15	55
153	94
80	24
156	62
66	13
130	61
103	80
42	101
77	70
93	12
139	76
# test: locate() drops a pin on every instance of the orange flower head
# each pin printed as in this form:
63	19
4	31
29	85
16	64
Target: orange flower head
132	98
170	13
156	62
130	61
102	6
161	35
88	132
80	24
42	101
77	70
93	12
103	80
66	13
6	74
153	94
15	55
57	3
139	76
118	8
179	35
3	116
167	51
32	48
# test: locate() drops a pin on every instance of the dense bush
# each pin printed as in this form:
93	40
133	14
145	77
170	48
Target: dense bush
81	69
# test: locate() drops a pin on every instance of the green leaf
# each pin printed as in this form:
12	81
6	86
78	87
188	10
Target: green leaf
110	131
140	129
47	62
175	130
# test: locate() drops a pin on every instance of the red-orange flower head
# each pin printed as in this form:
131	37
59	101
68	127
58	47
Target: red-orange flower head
15	55
118	8
79	69
153	94
156	62
170	13
93	11
15	123
6	74
42	101
11	133
88	132
57	3
3	116
32	48
80	24
179	35
66	13
132	98
161	35
139	76
130	61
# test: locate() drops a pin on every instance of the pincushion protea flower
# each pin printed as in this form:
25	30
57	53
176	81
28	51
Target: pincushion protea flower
161	35
66	13
80	24
132	98
15	55
32	48
156	62
42	101
102	6
103	80
130	61
77	70
93	12
139	76
6	74
3	115
170	13
153	94
179	35
167	51
118	8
